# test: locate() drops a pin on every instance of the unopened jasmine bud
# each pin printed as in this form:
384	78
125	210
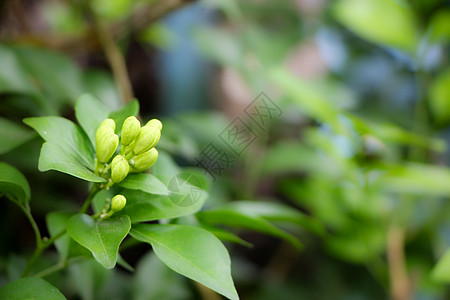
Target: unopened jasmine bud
147	139
108	123
154	123
130	130
145	160
118	202
105	145
119	168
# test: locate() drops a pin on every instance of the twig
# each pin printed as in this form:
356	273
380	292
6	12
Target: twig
401	287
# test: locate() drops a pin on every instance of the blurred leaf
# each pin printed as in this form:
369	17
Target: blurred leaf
227	236
13	76
415	178
67	150
225	48
64	18
286	157
233	216
278	212
440	97
360	245
145	182
112	10
394	134
101	237
142	207
57	75
440	26
101	85
90	112
12	135
386	22
305	95
192	252
159	36
30	288
13	184
56	222
441	272
164	283
131	109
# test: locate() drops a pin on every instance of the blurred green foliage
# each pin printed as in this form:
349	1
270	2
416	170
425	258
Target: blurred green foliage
359	150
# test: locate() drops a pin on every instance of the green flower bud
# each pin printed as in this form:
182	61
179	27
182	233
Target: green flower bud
105	144
118	203
145	160
119	168
108	123
130	130
147	139
154	123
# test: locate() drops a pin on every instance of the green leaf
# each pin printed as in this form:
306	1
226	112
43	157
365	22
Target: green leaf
233	216
67	247
12	135
277	212
142	207
145	182
386	22
67	150
30	288
416	179
101	237
131	109
165	283
441	272
227	236
440	97
192	252
90	112
13	184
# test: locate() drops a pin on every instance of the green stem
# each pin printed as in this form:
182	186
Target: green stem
26	210
45	243
58	267
94	190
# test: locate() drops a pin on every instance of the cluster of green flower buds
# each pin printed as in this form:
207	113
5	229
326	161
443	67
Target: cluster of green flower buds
136	154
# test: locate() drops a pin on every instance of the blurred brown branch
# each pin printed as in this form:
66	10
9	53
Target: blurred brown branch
89	42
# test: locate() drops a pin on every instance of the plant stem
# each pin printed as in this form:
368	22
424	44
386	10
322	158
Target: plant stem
57	267
45	243
94	190
26	210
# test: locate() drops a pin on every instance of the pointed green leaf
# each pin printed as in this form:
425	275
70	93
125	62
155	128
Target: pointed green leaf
101	237
386	22
192	252
67	150
13	184
441	272
232	216
145	182
66	246
30	288
142	207
12	135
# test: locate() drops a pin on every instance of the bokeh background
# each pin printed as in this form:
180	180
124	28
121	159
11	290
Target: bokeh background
358	144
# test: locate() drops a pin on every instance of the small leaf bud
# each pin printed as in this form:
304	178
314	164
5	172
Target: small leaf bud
119	168
130	130
145	160
147	139
154	123
118	203
105	145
